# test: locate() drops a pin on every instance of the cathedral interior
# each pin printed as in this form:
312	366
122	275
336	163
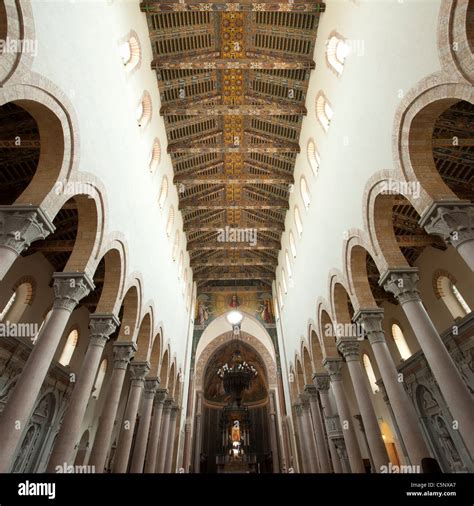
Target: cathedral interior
237	237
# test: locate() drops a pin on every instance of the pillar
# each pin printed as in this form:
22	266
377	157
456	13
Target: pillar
454	222
309	434
101	327
20	225
151	385
69	289
407	420
171	438
304	450
403	284
321	444
349	347
138	372
123	353
333	366
164	433
152	450
273	433
198	434
321	382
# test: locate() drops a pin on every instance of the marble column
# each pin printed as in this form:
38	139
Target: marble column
371	321
309	434
152	450
164	433
69	289
171	438
321	382
123	353
273	433
102	326
20	225
198	434
403	283
303	443
349	347
321	444
333	366
151	386
138	372
454	222
187	446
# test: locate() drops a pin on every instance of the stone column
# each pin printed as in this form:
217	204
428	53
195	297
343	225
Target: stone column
273	434
123	353
152	450
101	327
164	433
138	372
198	434
171	437
349	347
186	446
333	366
321	382
371	321
309	434
20	226
151	385
321	445
307	468
454	222
69	289
403	284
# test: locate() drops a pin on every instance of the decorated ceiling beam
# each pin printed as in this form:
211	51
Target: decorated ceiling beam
239	180
203	109
152	6
275	147
269	227
233	246
214	62
234	263
195	204
419	241
232	275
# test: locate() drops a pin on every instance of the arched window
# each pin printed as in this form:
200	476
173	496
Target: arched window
450	295
175	245
155	156
336	52
8	306
298	222
99	379
288	264
69	347
22	296
280	295
129	52
313	157
144	110
400	342
292	244
305	192
169	224
283	280
370	374
324	111
277	311
163	192
180	265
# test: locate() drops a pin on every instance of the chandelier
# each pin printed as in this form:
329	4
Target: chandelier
237	375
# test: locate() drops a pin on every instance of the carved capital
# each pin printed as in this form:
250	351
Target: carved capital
22	225
151	385
174	411
160	396
371	321
333	366
102	326
311	391
402	283
298	408
70	288
168	404
138	372
123	353
451	220
349	347
321	381
304	399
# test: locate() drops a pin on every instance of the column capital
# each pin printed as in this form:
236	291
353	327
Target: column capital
371	320
21	225
349	347
102	326
311	391
70	288
321	381
298	408
160	396
333	366
174	411
138	372
304	399
168	404
151	385
402	283
453	220
123	353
